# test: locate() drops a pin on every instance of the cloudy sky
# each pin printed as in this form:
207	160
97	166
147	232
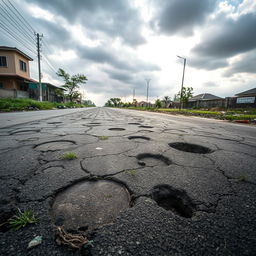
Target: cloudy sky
117	44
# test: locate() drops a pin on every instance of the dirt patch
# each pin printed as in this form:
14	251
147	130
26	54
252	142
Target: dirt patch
90	204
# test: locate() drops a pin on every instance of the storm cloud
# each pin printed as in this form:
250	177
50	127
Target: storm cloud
181	16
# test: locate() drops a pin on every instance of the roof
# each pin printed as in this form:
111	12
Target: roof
204	96
14	49
248	92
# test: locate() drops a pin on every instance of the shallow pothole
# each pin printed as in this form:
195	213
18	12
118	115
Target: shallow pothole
54	123
174	200
192	148
145	131
134	123
28	131
116	129
90	204
148	159
94	123
54	145
146	126
138	138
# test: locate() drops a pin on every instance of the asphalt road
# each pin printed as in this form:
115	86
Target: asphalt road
141	184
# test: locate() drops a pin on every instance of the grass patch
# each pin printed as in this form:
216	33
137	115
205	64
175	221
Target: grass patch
103	137
9	105
69	156
22	219
132	172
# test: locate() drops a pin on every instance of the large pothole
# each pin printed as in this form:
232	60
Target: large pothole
54	145
174	200
192	148
90	204
148	159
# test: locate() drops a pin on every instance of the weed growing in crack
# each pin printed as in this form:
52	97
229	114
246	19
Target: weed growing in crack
242	178
69	156
103	137
22	219
132	172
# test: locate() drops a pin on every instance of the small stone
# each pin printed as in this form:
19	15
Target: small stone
35	242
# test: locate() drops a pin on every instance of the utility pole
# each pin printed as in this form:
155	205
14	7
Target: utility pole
147	80
181	92
38	43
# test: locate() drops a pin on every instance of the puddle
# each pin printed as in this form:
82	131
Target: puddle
54	145
90	204
146	126
173	200
147	159
138	138
116	129
192	148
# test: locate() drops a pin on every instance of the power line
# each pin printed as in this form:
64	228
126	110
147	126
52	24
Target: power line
17	25
23	20
14	36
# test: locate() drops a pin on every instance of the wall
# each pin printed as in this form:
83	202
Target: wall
7	93
19	57
9	83
10	58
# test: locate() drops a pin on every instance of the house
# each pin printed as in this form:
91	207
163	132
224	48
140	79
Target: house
205	100
14	73
246	98
15	81
144	104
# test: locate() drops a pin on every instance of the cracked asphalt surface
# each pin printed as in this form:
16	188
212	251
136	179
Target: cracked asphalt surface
182	203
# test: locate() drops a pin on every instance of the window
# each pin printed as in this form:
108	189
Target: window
1	85
23	66
3	62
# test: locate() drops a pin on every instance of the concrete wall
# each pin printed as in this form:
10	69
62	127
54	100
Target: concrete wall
7	93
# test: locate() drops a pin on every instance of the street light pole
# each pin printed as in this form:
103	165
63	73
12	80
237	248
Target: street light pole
147	80
181	92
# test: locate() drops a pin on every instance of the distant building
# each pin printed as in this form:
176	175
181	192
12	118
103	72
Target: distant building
15	81
205	100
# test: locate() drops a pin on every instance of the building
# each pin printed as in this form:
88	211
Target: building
205	100
15	81
14	73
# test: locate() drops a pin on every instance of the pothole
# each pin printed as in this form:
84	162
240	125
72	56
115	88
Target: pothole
20	132
193	148
146	126
174	200
116	129
134	123
54	145
148	159
90	204
138	138
94	123
55	123
145	131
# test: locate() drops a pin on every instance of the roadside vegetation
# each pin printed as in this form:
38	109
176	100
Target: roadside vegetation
8	105
230	114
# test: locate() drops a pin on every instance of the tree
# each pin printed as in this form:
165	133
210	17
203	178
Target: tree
116	101
166	100
187	92
158	103
72	83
